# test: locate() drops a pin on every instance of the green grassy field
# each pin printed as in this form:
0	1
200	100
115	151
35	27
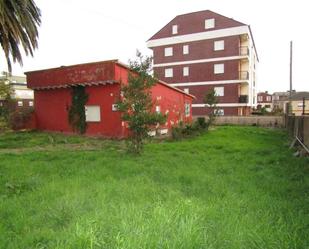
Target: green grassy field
233	187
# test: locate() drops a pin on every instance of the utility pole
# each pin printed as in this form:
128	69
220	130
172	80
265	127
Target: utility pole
291	67
291	78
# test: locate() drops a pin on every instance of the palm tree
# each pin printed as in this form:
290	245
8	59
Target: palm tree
19	22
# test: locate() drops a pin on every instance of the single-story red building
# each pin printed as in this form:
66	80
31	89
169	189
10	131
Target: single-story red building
102	81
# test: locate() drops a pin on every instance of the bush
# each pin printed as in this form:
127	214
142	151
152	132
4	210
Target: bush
201	122
188	130
20	118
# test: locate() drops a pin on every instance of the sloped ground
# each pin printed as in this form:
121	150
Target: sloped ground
234	187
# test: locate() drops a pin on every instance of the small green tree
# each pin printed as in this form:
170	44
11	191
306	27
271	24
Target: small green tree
6	92
211	100
136	103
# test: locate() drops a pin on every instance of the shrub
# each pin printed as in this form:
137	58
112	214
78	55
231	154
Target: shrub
201	122
19	118
188	130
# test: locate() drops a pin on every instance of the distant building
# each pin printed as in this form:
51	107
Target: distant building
300	103
22	94
280	100
264	100
200	51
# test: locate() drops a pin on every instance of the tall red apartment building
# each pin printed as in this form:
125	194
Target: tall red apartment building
203	50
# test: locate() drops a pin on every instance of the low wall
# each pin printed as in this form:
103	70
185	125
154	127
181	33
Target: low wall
265	121
299	126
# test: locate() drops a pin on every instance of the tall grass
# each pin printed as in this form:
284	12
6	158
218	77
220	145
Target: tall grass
235	187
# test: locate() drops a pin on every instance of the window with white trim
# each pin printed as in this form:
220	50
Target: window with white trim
219	112
30	103
93	113
168	72
260	98
175	29
219	45
158	109
20	103
185	71
218	68
219	91
186	90
268	98
209	23
187	109
185	49
114	107
300	104
168	51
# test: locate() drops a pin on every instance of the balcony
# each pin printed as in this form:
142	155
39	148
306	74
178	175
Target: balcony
244	75
243	99
244	50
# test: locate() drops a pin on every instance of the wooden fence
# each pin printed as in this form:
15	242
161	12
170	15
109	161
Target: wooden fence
298	128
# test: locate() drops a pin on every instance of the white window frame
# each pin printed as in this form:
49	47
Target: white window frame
185	71
187	109
168	51
114	107
300	104
186	90
20	103
168	72
30	103
268	98
158	109
219	91
93	113
219	45
219	68
175	29
260	98
185	49
210	23
219	112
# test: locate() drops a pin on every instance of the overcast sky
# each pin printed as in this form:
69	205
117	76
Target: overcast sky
79	31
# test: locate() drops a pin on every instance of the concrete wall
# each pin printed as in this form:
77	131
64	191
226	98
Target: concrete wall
266	121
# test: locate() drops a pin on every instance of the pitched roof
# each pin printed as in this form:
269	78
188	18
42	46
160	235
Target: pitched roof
194	22
300	96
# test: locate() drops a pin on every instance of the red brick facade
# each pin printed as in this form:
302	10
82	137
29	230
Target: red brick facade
198	50
231	92
264	97
193	67
200	72
194	23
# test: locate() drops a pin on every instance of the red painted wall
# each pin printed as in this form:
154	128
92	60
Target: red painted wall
51	109
169	99
52	105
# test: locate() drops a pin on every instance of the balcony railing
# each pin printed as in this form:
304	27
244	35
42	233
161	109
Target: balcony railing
244	75
243	99
244	50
